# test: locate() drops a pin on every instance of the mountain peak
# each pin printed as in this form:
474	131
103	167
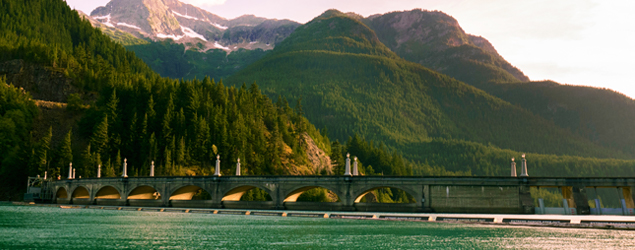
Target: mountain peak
190	25
337	32
330	13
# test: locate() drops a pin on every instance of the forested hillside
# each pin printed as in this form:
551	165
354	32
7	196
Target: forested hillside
351	83
128	112
603	116
359	86
176	61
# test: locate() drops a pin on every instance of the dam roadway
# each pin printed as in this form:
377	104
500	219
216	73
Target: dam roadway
501	195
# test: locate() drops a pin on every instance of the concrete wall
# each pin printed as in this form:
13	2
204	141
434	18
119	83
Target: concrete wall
475	199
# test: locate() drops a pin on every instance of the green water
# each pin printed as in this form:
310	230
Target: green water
54	228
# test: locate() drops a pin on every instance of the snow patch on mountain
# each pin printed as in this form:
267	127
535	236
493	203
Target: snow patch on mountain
185	16
107	23
128	25
219	46
173	37
190	33
221	27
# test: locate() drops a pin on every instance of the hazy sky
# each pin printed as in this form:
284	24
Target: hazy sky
580	42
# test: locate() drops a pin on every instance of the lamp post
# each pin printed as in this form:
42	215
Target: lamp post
523	172
70	171
238	168
217	168
355	171
513	168
347	170
152	169
125	168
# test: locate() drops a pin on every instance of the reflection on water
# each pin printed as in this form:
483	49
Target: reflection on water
54	228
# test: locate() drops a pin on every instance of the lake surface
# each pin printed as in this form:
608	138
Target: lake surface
54	228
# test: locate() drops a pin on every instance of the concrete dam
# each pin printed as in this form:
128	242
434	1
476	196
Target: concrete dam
500	195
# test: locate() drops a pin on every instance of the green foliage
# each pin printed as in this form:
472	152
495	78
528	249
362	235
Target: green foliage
66	151
550	196
17	112
173	60
603	116
134	113
469	158
398	103
256	194
75	103
315	195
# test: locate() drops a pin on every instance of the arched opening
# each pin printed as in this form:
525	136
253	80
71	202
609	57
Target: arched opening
108	193
144	193
247	193
385	195
81	193
61	193
191	192
312	194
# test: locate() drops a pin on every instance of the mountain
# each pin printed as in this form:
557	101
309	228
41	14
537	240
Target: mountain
603	116
174	60
437	41
120	36
350	82
101	105
187	24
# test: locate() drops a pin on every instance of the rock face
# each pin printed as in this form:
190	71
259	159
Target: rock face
184	23
41	82
320	161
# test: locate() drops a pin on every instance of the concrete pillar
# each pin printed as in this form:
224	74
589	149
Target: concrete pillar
513	168
238	168
70	171
125	168
217	168
598	206
581	200
627	192
152	169
523	172
355	171
426	200
347	169
73	173
526	202
567	193
541	204
99	171
565	204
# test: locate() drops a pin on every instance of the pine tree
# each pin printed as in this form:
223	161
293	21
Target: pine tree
86	167
111	108
99	140
66	151
118	164
43	155
180	153
108	169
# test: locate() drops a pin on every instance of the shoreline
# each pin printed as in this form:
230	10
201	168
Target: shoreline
533	220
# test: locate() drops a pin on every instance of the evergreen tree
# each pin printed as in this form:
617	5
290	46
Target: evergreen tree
44	155
66	151
99	140
87	163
